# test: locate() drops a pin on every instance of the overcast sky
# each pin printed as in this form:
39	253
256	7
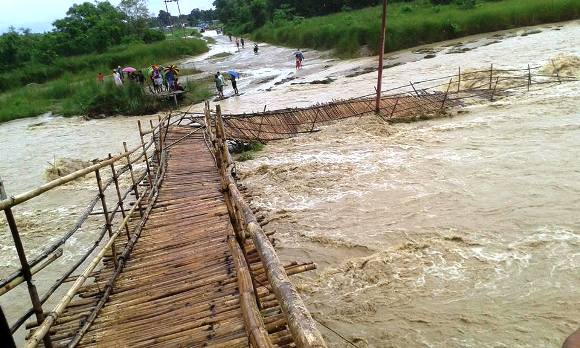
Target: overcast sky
38	15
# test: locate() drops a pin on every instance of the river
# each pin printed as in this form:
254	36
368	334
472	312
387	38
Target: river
459	232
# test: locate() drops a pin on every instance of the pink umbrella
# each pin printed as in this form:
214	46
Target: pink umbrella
129	69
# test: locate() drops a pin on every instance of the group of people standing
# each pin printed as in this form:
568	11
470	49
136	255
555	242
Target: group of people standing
160	79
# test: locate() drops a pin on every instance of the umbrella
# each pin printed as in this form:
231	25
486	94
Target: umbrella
129	69
172	68
234	73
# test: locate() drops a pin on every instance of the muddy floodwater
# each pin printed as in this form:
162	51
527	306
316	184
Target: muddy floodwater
458	232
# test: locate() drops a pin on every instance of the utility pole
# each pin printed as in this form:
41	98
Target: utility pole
381	56
170	24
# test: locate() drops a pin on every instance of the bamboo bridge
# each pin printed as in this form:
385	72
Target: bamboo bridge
179	259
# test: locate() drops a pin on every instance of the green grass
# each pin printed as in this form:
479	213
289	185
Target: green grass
413	24
87	66
76	92
247	152
69	98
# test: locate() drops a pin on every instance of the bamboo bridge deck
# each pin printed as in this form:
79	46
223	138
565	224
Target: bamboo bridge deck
179	286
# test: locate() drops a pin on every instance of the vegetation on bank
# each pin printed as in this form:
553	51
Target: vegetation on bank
57	71
411	23
70	98
247	151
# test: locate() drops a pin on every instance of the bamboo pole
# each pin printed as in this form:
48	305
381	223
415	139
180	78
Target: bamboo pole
106	213
223	165
529	77
381	56
26	272
21	198
252	317
459	79
300	322
133	181
490	76
33	270
5	333
145	153
446	93
494	88
44	328
119	197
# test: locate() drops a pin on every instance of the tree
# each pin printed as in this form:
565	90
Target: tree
134	9
164	18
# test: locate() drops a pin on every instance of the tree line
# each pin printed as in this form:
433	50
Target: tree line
89	27
194	18
247	15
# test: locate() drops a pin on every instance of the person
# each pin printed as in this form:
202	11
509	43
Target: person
170	79
117	79
120	72
299	58
238	44
242	42
219	84
101	78
234	84
141	78
230	36
256	48
157	80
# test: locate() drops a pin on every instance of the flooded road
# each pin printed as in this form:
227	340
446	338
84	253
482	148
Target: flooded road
452	233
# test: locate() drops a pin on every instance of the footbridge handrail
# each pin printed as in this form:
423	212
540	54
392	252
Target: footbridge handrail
301	324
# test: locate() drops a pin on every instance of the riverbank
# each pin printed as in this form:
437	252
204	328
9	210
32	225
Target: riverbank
73	90
355	33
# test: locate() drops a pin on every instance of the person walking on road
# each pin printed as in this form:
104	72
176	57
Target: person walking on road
219	84
299	58
234	83
242	42
256	48
238	44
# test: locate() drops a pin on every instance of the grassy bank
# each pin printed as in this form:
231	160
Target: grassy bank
137	55
76	92
414	23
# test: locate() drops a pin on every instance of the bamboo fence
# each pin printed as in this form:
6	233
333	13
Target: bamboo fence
413	101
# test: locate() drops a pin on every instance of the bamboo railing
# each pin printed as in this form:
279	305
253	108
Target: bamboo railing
119	166
301	324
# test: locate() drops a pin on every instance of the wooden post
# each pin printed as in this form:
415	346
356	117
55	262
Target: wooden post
529	77
5	333
555	69
494	87
490	76
223	163
393	111
133	182
106	214
459	83
116	182
145	153
381	56
446	93
414	89
36	304
157	154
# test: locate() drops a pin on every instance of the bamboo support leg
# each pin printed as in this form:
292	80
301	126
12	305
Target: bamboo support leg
133	181
119	197
145	154
32	291
106	214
